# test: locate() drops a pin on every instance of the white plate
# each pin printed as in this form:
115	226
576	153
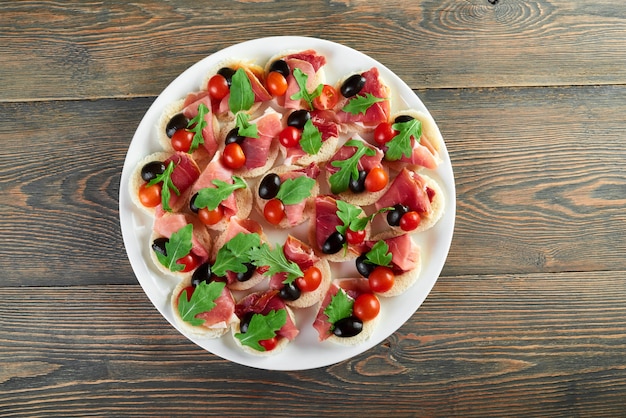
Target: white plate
305	352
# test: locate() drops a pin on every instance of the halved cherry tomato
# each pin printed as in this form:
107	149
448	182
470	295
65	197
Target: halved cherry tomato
290	136
310	281
269	344
150	196
233	156
327	99
274	211
366	306
182	139
384	133
189	290
218	87
355	237
211	217
381	279
189	261
276	83
376	179
409	221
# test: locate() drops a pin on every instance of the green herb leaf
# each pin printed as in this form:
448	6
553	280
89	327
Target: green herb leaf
276	261
349	215
196	125
211	197
262	327
379	254
241	94
401	144
168	186
178	245
295	190
202	300
360	104
311	140
340	307
348	169
244	127
236	253
301	79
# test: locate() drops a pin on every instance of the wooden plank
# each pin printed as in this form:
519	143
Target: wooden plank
479	346
92	50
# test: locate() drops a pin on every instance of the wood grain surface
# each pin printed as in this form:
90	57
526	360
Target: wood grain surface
529	315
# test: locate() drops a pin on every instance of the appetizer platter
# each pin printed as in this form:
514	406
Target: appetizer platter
287	203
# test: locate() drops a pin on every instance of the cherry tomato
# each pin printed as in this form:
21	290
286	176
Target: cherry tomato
327	99
355	237
384	133
376	179
189	261
218	87
233	157
189	290
310	281
181	140
381	279
274	211
276	83
289	137
269	344
150	196
410	220
366	306
211	217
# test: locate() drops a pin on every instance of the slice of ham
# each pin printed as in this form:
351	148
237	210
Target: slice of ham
292	84
407	189
310	56
326	124
352	287
167	224
263	303
326	219
257	150
222	314
294	213
215	170
405	254
184	174
260	92
190	111
378	112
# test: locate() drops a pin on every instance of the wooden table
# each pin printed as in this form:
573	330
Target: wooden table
529	314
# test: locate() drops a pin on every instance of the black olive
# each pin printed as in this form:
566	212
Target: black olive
280	66
403	118
268	188
227	73
298	118
178	121
393	216
245	322
201	274
364	268
151	170
158	245
358	185
246	275
334	243
233	136
352	85
192	204
348	327
289	291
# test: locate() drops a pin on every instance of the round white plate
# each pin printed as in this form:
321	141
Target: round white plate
305	352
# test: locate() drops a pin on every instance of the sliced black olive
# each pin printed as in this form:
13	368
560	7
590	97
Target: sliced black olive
348	327
393	216
158	245
352	85
289	291
245	322
358	185
201	274
233	136
334	243
246	275
280	66
151	170
227	73
403	118
364	268
268	188
178	121
192	204
298	118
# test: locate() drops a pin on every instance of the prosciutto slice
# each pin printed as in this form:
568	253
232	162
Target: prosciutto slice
326	219
294	212
184	174
190	110
222	314
257	150
407	189
215	170
352	287
263	303
405	254
378	112
366	162
166	224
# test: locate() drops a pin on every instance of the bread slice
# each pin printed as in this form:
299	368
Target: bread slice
361	337
308	299
326	151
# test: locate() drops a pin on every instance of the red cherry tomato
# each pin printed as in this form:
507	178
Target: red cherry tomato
276	83
290	136
311	279
366	307
274	211
269	344
211	217
327	99
381	279
150	196
409	221
218	87
189	290
189	261
376	179
233	157
182	139
384	133
355	237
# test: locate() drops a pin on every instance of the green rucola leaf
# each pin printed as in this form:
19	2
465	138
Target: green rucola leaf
262	327
304	94
235	254
275	260
340	307
168	186
401	143
379	254
196	125
311	140
211	197
348	214
360	104
348	169
178	245
241	94
295	190
244	127
202	300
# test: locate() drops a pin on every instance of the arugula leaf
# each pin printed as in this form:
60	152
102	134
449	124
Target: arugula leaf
178	245
379	254
401	144
349	215
262	327
211	197
311	140
276	261
196	125
348	169
168	186
360	104
295	190
236	253
301	79
340	307
202	300
244	127
241	94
